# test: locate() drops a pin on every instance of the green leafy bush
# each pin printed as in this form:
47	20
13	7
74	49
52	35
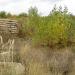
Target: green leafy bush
54	29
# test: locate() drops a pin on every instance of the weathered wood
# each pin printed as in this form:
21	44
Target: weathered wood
9	26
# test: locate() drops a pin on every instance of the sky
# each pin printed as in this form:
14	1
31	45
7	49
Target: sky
44	6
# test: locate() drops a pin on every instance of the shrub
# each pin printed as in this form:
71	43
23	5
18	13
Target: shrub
54	29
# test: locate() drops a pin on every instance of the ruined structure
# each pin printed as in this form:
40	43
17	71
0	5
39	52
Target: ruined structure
8	26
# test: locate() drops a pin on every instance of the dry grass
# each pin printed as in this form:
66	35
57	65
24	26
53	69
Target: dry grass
11	68
43	61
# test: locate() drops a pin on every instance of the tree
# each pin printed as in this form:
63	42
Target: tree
22	15
9	15
33	18
3	14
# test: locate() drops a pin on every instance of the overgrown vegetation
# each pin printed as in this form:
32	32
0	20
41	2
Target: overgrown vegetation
57	28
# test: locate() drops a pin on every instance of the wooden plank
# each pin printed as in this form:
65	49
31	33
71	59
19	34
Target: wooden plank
8	25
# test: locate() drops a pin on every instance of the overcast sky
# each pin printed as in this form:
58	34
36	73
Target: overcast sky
44	6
